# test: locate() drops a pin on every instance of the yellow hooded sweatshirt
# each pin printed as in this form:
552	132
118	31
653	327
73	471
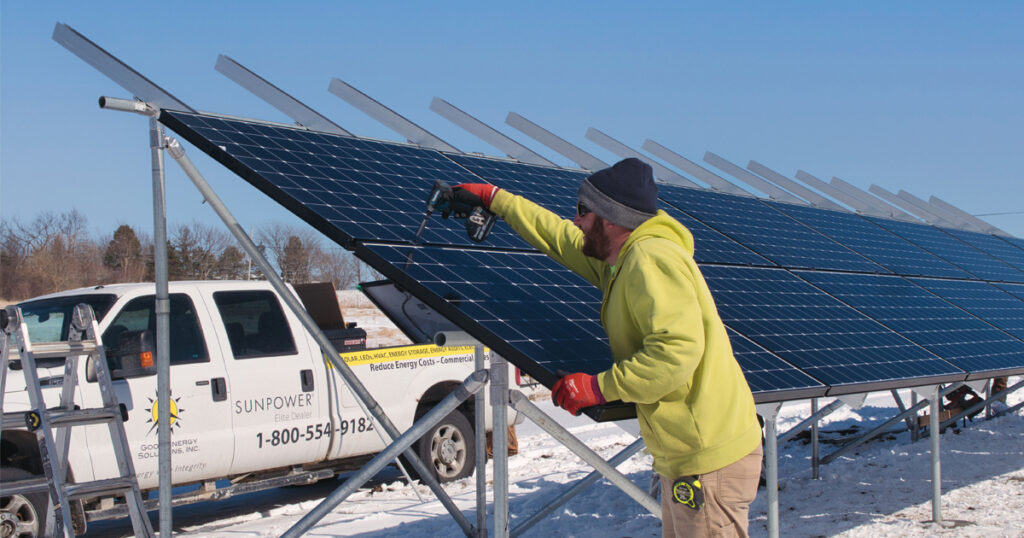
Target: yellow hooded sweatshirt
671	353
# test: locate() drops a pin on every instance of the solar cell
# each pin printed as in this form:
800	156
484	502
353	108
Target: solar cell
1015	241
766	231
771	379
936	325
952	250
872	242
820	335
556	190
1017	290
985	300
991	245
350	189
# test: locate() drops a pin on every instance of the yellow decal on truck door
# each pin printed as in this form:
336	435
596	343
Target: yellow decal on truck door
395	358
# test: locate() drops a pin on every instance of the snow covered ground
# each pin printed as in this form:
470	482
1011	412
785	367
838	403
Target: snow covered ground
881	489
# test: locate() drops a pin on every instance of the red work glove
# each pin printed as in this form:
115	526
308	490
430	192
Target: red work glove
475	194
576	391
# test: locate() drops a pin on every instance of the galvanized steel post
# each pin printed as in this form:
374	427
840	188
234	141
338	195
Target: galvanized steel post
769	412
163	317
480	427
814	440
499	442
933	430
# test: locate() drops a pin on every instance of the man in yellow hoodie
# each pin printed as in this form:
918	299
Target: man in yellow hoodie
670	350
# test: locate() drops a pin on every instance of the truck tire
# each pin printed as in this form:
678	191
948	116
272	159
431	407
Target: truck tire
21	516
448	449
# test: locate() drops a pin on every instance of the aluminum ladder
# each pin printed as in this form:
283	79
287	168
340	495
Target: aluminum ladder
83	341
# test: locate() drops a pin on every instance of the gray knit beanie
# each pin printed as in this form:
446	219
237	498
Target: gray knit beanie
624	194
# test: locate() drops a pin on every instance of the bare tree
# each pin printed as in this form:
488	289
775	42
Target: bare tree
290	249
334	264
198	248
53	252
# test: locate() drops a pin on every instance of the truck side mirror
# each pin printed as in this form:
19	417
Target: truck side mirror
135	355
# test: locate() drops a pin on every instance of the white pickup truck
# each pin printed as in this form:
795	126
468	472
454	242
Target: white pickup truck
254	403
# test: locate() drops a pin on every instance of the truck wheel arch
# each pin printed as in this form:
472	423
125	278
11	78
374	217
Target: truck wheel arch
436	393
21	450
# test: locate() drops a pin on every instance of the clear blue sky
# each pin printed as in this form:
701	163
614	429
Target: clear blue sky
922	96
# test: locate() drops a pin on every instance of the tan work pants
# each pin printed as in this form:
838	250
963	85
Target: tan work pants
728	493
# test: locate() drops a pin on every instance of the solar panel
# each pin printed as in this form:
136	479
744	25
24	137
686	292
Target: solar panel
770	378
556	190
820	335
991	245
952	250
872	242
766	231
350	189
995	306
936	325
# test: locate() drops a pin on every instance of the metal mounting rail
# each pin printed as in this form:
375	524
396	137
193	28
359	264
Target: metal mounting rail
276	97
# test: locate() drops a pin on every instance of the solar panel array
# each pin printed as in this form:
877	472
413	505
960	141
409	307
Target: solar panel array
816	301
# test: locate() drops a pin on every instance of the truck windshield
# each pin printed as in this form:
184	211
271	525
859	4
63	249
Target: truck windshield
48	320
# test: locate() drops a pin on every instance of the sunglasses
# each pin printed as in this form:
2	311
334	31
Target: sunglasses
581	210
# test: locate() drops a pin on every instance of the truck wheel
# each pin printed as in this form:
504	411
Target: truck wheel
21	515
448	449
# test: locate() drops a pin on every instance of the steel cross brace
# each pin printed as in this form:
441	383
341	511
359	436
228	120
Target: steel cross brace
885	425
978	406
470	386
521	403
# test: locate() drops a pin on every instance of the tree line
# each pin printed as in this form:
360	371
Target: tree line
55	252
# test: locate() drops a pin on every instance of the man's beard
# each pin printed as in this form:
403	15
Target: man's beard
596	243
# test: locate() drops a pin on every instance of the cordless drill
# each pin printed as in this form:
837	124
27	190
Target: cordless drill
479	221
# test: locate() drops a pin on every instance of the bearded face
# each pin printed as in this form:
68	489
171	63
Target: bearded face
596	242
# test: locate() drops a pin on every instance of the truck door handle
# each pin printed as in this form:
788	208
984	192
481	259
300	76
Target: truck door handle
306	376
219	389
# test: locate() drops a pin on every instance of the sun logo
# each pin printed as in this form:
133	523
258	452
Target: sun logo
154	413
